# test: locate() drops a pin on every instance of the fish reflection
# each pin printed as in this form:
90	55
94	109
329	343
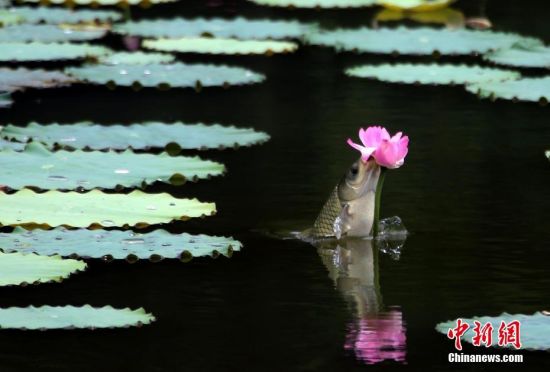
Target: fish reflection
378	333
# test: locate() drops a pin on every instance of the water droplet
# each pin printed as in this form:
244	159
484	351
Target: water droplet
146	72
47	166
123	72
424	40
107	223
68	139
122	171
57	178
166	244
133	241
151	208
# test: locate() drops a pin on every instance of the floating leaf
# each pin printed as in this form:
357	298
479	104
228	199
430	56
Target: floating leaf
534	328
9	18
5	101
121	3
70	317
36	166
16	146
117	244
526	89
178	75
136	58
238	28
56	16
137	136
420	41
431	73
54	208
10	52
46	34
415	5
317	3
532	56
21	78
220	46
20	269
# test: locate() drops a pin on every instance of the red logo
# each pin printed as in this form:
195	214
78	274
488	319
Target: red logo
508	333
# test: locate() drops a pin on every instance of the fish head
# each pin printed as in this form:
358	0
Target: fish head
357	194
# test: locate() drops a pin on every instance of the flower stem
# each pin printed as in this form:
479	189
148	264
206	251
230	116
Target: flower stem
377	199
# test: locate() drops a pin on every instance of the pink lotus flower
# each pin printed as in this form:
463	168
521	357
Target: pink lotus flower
388	151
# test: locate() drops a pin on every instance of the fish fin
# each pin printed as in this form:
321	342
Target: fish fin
341	224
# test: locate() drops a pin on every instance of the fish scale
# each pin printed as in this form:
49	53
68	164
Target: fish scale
324	224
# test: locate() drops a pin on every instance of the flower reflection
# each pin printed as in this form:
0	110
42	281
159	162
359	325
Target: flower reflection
376	334
378	338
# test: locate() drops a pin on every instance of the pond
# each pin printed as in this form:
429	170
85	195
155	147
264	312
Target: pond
473	194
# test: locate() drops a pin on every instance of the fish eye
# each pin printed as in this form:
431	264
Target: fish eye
354	170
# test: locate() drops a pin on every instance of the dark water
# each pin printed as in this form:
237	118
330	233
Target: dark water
473	193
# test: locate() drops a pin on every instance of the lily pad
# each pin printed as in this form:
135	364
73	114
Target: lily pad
46	34
121	3
418	41
4	145
62	170
140	136
178	75
537	56
415	5
8	18
136	58
317	3
21	78
209	45
116	244
95	208
56	16
5	101
22	52
238	28
20	269
431	73
70	317
526	89
534	328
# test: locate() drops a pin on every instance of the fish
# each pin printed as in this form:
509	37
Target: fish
349	210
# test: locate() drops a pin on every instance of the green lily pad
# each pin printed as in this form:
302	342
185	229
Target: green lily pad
142	136
5	101
178	75
46	34
19	269
417	41
317	3
63	170
534	329
122	3
10	52
136	58
70	317
415	5
238	28
56	16
431	73
16	146
21	78
95	208
537	56
220	46
9	18
116	244
526	89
